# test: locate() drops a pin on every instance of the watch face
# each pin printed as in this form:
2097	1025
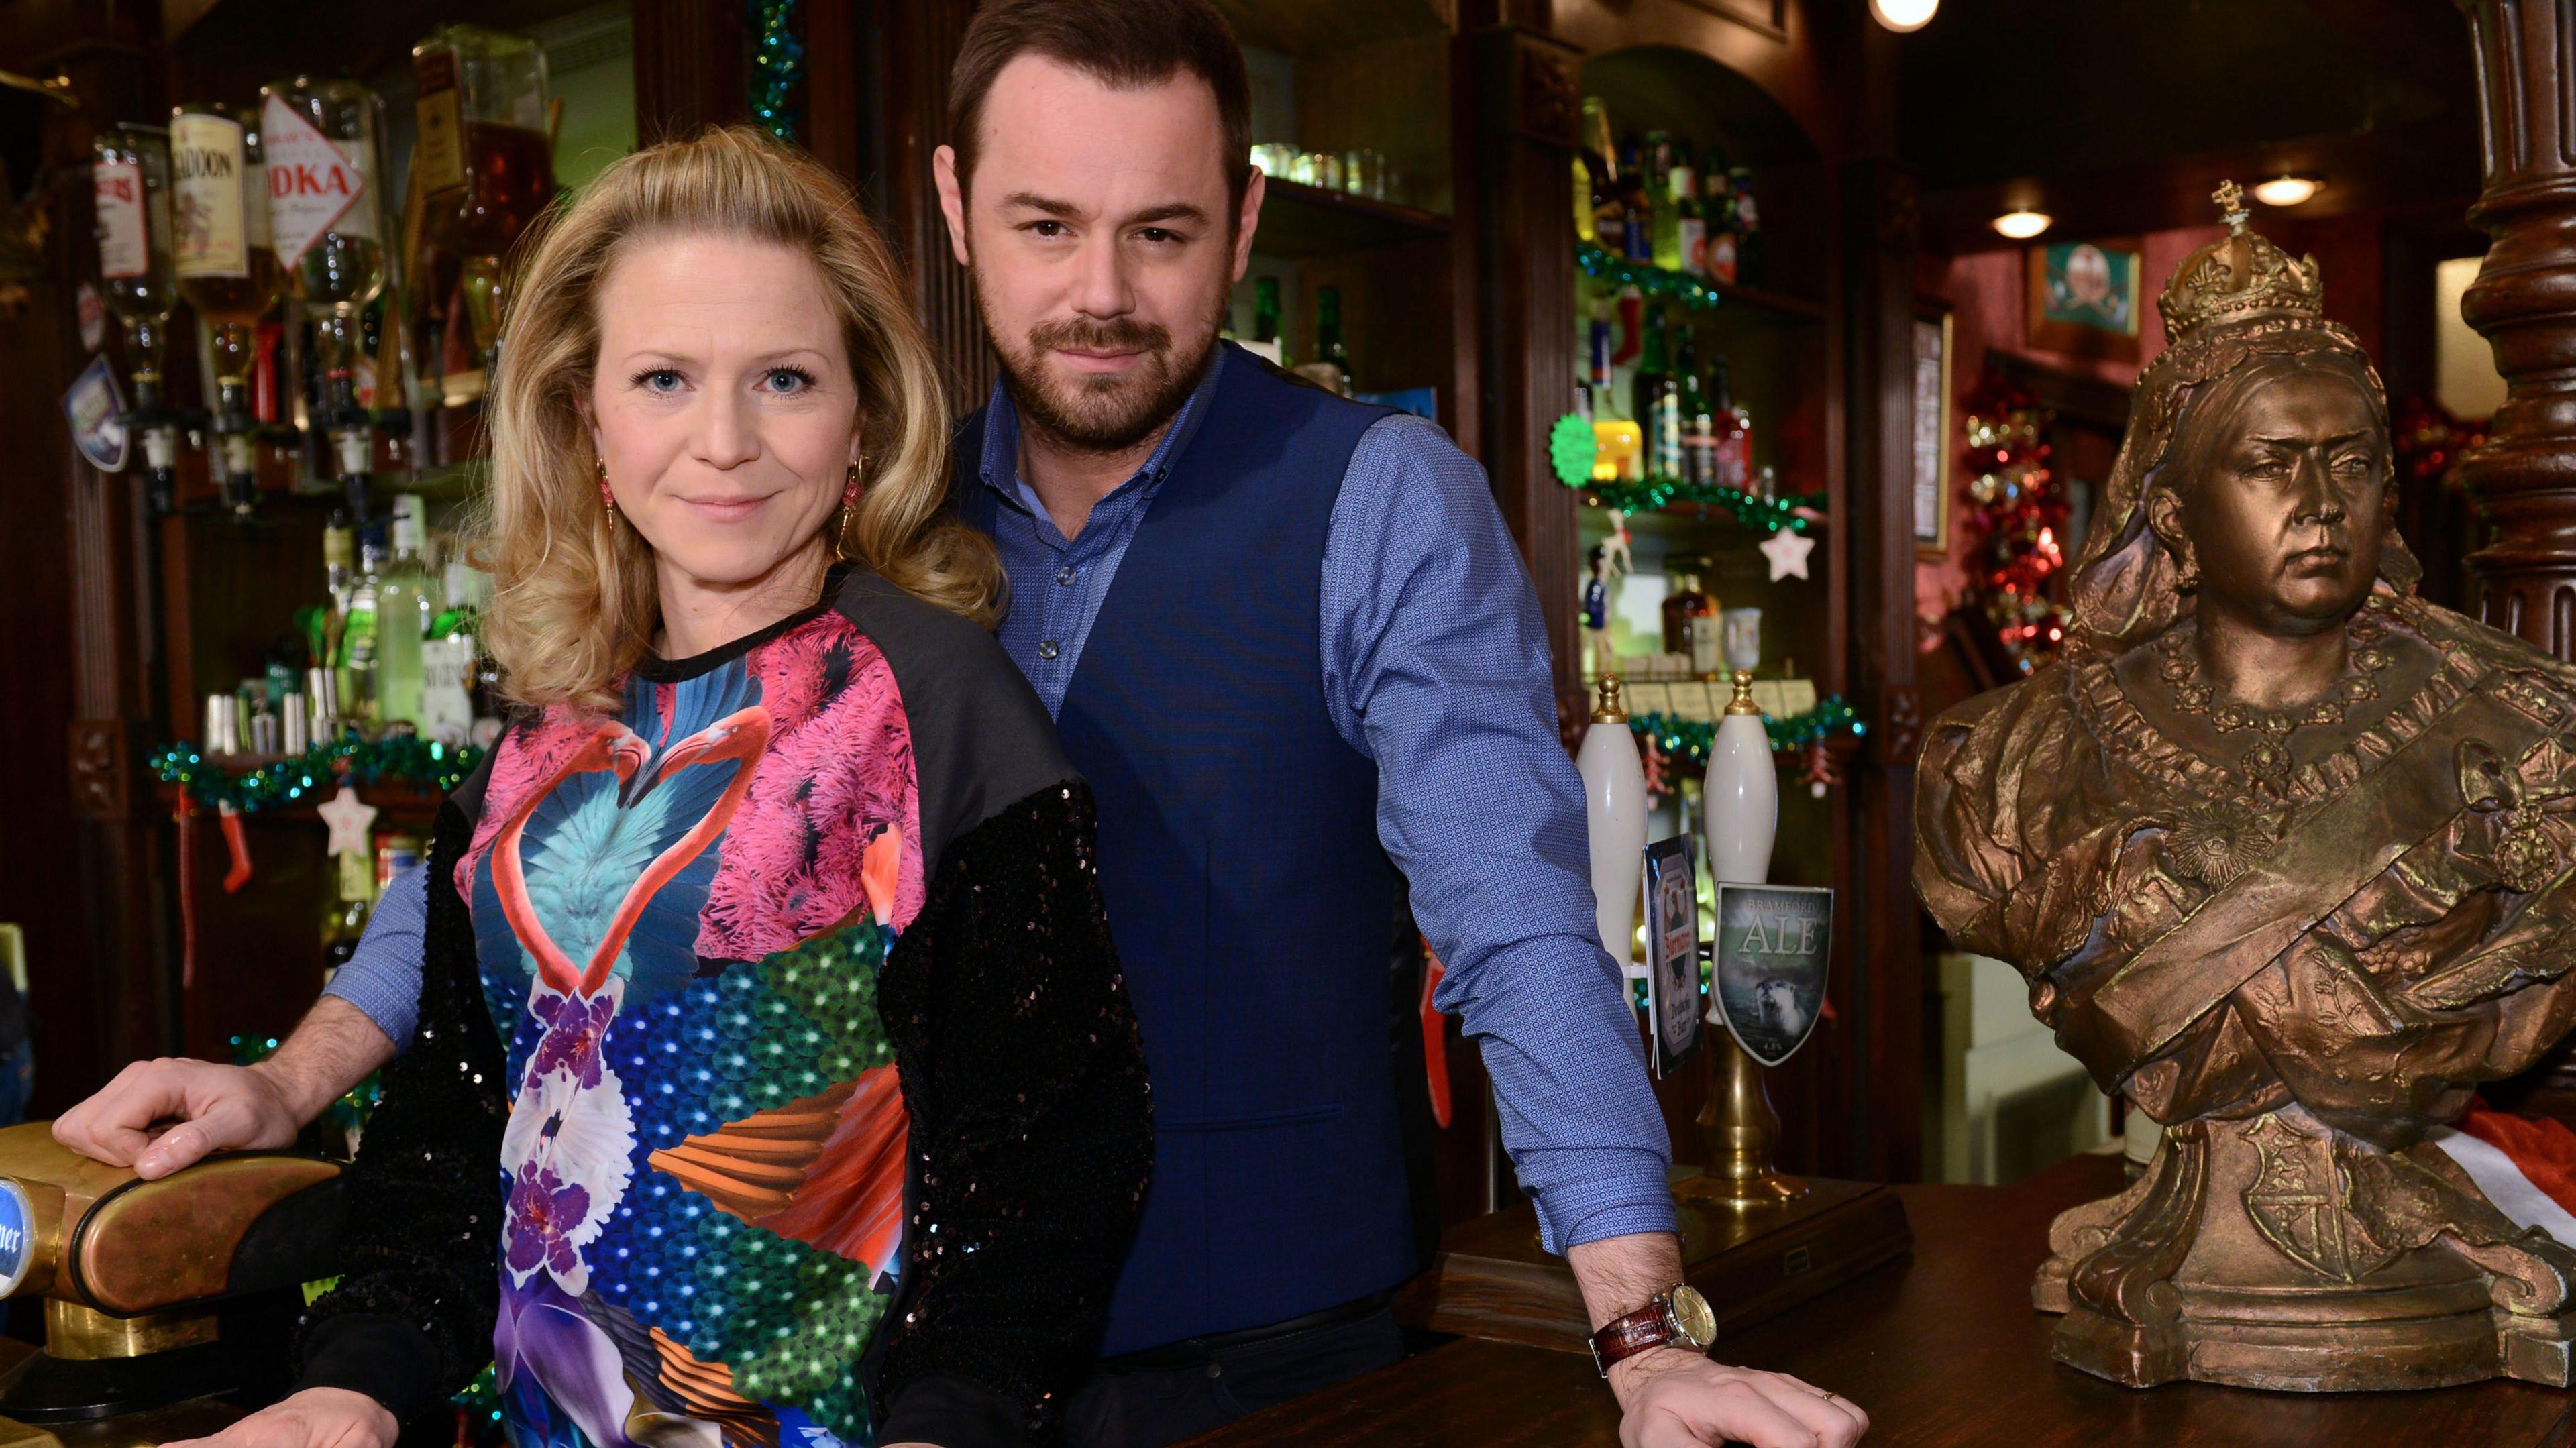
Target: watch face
1693	1318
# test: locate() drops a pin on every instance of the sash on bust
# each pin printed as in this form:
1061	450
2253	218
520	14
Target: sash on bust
2118	1020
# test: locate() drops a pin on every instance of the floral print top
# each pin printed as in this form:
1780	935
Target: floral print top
747	986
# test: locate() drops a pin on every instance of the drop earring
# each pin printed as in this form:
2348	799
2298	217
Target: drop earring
850	488
607	499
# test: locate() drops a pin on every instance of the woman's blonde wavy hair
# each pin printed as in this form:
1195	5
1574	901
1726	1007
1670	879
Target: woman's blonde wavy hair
573	604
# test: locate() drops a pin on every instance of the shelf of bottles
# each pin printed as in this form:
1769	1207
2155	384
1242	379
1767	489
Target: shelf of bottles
1701	518
307	331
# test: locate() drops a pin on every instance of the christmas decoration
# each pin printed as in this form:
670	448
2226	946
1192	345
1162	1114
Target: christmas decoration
349	820
1788	550
424	764
2020	515
1674	743
2429	440
1767	515
777	66
1570	450
1652	281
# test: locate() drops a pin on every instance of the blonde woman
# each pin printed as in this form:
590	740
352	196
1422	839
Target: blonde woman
771	1045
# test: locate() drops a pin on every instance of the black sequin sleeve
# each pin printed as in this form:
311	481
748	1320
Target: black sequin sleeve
1032	1134
411	1321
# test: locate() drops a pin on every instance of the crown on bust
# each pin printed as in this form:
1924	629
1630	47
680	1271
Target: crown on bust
2236	279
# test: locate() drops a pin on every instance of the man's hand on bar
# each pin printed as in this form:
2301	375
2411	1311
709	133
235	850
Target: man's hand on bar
159	1116
313	1418
1672	1397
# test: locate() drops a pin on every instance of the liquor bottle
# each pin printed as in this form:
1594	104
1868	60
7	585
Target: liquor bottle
1720	205
344	924
130	174
1659	402
326	217
225	267
1688	613
1596	327
1664	222
1699	437
408	600
1614	813
1601	160
1732	433
1691	223
1748	228
1265	320
486	161
354	663
1332	365
1637	242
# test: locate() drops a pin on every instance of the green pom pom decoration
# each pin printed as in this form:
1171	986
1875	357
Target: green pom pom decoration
1571	449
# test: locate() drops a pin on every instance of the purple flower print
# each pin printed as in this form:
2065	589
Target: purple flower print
544	1212
575	1030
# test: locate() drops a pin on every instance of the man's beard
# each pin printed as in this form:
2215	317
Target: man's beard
1102	413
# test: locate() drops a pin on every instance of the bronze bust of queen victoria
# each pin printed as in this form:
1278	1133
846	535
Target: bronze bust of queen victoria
2285	854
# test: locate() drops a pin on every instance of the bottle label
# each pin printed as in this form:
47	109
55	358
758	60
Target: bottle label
1695	246
439	151
211	225
1721	257
124	246
314	187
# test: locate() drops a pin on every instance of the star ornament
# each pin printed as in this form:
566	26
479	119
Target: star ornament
349	821
1788	550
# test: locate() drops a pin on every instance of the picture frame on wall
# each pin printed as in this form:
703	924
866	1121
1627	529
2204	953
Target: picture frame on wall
2085	298
1935	444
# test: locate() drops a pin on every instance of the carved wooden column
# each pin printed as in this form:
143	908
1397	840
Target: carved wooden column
2524	301
1528	102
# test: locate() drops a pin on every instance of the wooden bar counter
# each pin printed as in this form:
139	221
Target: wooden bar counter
1943	1349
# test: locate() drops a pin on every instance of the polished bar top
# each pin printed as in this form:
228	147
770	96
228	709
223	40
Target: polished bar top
1942	1350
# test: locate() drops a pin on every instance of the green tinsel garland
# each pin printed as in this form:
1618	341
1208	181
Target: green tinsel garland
400	759
777	66
1653	281
1656	490
1686	739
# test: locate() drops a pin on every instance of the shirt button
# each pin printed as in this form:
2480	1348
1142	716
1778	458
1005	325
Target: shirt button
1064	575
1047	650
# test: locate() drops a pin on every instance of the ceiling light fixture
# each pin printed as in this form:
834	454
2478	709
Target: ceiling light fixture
1903	15
2023	223
2286	189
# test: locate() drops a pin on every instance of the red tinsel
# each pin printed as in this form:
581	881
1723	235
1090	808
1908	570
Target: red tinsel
2020	517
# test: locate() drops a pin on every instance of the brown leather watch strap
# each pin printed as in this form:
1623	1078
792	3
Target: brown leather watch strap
1625	1337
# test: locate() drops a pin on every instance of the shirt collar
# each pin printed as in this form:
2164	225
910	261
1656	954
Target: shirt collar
1000	467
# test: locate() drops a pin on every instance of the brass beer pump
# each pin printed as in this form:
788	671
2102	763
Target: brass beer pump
144	1283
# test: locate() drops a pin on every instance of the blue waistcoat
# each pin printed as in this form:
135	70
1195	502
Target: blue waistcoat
1247	892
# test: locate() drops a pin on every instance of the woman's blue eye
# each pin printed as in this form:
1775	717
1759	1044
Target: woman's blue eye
652	380
789	379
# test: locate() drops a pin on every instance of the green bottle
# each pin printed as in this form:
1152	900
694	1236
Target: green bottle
408	600
354	661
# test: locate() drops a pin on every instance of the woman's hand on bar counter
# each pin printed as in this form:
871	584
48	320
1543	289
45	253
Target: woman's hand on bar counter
159	1116
313	1418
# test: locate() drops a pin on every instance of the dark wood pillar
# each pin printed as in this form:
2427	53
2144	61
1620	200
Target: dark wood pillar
1528	104
2524	301
692	61
917	44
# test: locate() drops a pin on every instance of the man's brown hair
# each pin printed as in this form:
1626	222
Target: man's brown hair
1125	44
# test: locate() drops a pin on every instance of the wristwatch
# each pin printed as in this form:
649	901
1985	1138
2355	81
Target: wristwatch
1675	1317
